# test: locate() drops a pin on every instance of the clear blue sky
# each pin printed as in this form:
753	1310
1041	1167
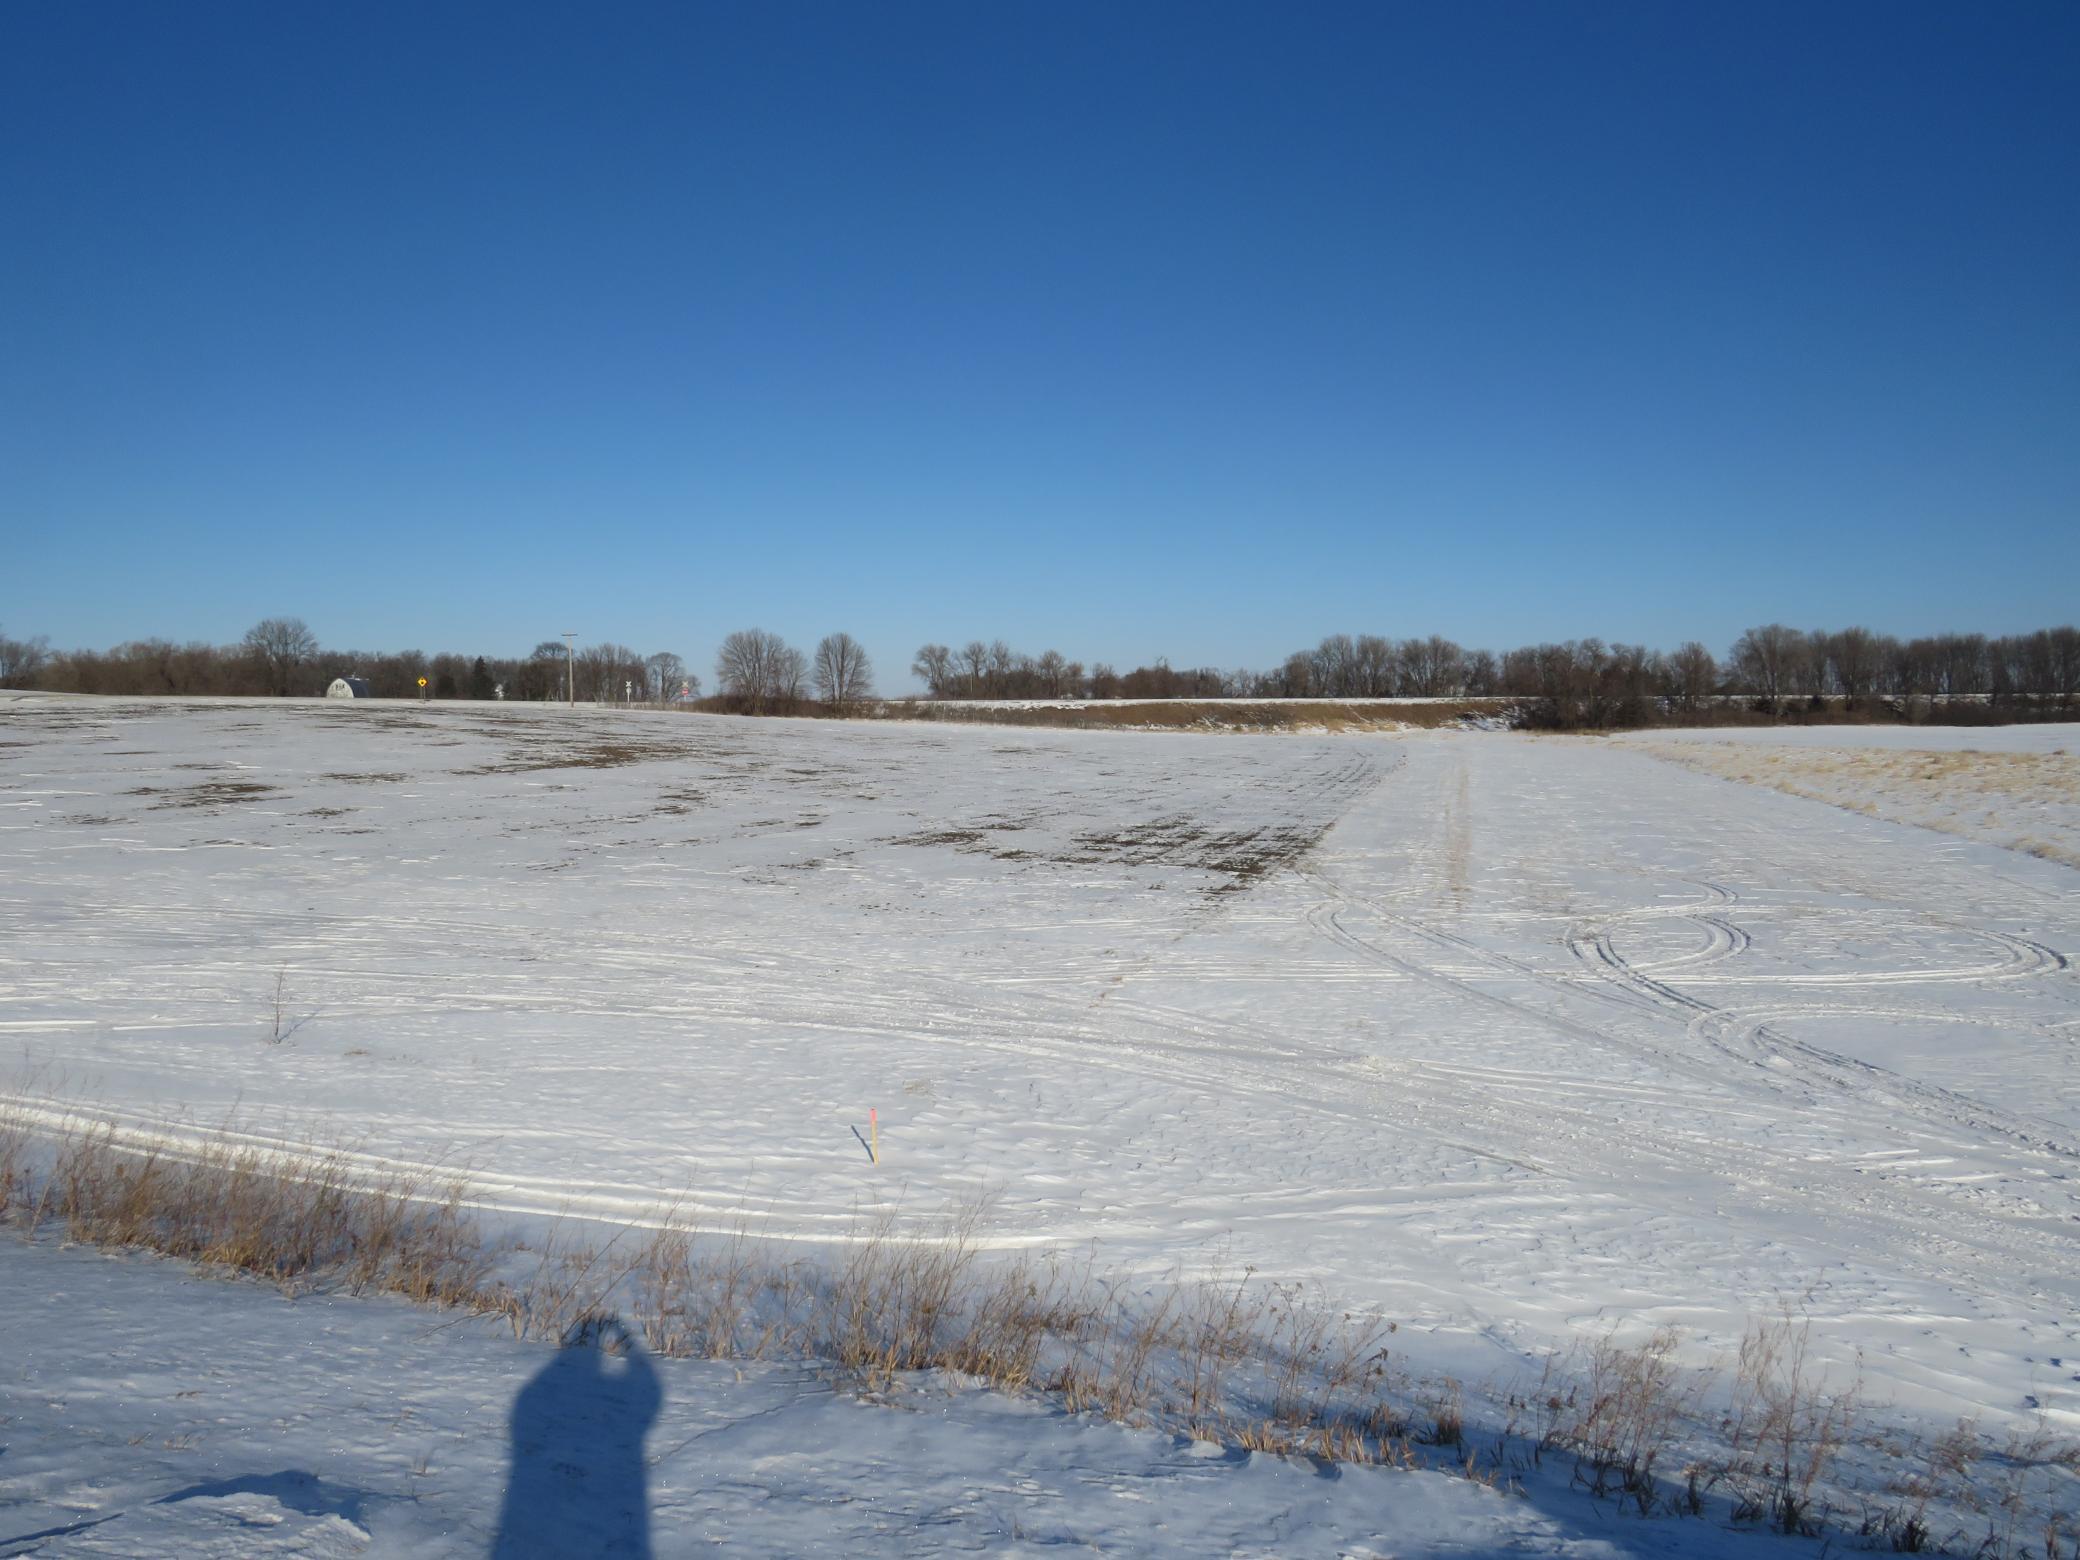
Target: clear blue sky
1129	329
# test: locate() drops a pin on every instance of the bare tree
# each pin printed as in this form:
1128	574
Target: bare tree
1002	662
2063	664
22	659
790	676
1856	655
974	665
843	673
540	675
1432	668
1692	675
1373	667
1809	664
933	666
279	646
609	673
1965	671
761	669
1335	667
667	673
1763	660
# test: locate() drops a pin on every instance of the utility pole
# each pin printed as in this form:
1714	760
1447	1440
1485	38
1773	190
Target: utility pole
570	670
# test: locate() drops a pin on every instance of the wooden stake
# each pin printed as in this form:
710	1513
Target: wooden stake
874	1128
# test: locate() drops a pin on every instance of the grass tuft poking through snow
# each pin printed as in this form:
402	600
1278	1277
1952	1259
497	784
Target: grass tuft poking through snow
295	1219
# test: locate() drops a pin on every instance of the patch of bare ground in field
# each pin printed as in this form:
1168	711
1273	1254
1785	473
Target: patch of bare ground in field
208	794
1240	856
2024	801
584	752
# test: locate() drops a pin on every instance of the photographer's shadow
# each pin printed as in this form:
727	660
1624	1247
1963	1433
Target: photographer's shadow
578	1484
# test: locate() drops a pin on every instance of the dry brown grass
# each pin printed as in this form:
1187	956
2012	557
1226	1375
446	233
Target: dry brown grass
1621	1415
1787	1427
1952	791
294	1218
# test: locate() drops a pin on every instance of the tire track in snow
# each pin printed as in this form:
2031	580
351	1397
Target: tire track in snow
1754	1041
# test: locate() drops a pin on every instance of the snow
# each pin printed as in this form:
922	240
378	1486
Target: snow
161	1412
2014	786
1507	1039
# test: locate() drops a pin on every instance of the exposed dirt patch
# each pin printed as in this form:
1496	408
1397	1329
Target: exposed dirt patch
1239	856
959	839
602	752
210	793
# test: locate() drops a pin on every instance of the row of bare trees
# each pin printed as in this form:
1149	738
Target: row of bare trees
281	656
763	674
605	673
1778	664
1581	681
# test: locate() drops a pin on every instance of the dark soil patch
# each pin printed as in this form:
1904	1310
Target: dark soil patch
212	793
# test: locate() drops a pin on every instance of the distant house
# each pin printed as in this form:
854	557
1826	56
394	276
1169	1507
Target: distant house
348	688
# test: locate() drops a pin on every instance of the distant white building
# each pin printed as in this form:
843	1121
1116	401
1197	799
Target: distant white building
348	688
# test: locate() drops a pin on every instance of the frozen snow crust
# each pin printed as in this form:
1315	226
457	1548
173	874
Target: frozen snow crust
1505	1039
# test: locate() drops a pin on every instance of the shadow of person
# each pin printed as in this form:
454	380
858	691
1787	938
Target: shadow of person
578	1484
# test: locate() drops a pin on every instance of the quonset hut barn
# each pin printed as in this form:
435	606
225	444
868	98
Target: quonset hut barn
348	688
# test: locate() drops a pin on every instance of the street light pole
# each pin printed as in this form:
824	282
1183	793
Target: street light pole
570	671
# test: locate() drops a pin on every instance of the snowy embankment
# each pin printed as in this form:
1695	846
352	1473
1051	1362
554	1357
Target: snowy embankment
1508	1041
150	1411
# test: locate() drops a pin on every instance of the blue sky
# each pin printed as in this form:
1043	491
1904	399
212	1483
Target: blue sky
1131	330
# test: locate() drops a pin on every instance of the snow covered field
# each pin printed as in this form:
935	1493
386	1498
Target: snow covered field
1506	1039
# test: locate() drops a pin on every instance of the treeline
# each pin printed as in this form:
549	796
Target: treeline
1582	682
1773	669
756	672
281	656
